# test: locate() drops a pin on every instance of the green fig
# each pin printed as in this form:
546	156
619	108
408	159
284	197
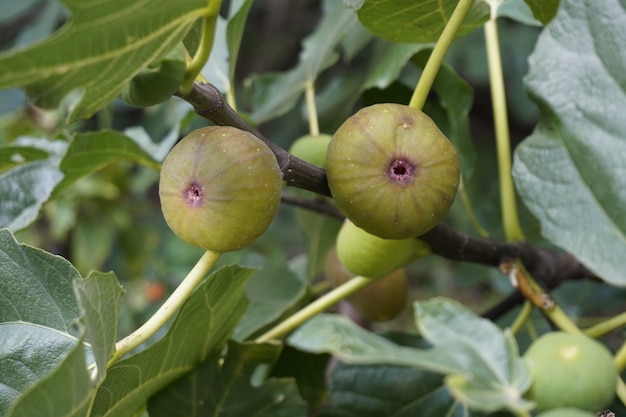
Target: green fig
567	412
571	370
382	300
157	82
365	254
220	188
311	149
391	171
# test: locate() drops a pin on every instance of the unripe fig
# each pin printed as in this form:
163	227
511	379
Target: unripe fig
371	256
220	188
567	412
382	300
391	171
311	149
157	82
571	370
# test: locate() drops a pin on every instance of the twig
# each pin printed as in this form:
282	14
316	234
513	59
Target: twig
209	103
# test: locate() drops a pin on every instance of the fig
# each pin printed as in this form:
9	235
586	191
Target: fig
157	82
391	171
566	412
311	149
382	300
220	188
571	370
371	256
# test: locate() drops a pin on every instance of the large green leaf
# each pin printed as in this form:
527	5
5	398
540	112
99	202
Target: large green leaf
416	20
570	171
543	10
276	288
100	296
101	48
26	186
485	371
43	369
92	151
36	287
224	387
47	368
201	328
384	390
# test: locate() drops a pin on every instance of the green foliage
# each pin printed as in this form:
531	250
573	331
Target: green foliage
79	173
573	158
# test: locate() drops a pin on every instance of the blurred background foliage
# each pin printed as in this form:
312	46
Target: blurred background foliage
112	221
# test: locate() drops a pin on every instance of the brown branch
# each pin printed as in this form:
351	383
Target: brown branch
547	266
209	103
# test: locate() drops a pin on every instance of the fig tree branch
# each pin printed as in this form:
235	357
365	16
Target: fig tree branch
209	103
549	267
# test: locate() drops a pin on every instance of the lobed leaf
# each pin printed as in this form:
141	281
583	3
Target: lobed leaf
223	387
200	329
543	10
483	365
99	49
36	287
100	296
48	374
571	172
92	151
26	186
416	21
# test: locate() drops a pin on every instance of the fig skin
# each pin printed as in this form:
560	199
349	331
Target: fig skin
311	149
382	300
570	370
567	412
371	256
220	188
391	171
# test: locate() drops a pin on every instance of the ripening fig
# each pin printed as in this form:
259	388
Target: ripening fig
391	171
382	300
371	256
311	149
571	370
220	188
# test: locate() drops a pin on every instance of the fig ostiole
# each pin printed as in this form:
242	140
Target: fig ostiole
392	171
220	188
365	254
382	300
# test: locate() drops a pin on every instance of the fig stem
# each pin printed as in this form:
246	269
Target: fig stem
470	211
203	52
321	304
607	326
512	229
169	307
435	60
620	358
522	317
309	94
620	390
